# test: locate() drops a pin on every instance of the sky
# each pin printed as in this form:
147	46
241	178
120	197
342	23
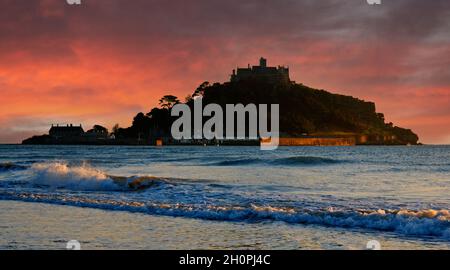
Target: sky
104	61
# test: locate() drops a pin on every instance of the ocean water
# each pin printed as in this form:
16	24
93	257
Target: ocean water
116	197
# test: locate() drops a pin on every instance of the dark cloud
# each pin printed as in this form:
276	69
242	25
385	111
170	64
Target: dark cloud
382	52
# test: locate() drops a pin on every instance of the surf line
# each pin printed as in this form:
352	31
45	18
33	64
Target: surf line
213	128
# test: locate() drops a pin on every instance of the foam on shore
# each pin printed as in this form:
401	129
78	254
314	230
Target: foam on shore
420	223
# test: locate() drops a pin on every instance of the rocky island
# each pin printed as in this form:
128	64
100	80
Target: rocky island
308	116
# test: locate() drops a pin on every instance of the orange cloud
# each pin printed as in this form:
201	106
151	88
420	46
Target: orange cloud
104	62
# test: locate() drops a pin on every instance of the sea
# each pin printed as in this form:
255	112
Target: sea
224	197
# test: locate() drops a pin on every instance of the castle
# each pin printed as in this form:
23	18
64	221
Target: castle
278	74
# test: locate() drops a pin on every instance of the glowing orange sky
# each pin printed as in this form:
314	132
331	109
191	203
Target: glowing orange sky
104	61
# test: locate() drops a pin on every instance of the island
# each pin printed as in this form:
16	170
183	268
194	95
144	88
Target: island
308	116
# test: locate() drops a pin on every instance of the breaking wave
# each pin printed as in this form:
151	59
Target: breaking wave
86	178
61	175
424	223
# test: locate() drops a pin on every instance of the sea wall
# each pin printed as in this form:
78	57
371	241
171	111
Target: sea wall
311	141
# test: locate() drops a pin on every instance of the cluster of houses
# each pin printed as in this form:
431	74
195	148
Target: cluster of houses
73	133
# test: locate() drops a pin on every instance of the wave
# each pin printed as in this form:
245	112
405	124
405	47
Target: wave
180	159
306	160
237	162
289	161
8	166
59	175
422	223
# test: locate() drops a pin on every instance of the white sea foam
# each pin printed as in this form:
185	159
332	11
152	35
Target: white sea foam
420	223
61	175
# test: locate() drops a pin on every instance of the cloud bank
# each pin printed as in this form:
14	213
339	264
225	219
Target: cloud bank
104	61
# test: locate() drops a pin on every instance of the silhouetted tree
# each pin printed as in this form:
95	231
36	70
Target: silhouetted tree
168	101
200	91
98	130
188	99
115	129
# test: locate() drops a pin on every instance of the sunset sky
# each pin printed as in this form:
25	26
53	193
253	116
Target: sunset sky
106	60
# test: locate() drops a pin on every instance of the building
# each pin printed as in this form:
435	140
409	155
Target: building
69	131
278	74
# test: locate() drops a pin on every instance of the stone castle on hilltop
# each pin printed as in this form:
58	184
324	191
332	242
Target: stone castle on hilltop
278	74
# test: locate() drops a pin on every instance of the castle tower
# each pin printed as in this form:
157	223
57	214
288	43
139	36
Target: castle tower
263	62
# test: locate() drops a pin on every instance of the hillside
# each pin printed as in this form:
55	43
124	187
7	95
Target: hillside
305	110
